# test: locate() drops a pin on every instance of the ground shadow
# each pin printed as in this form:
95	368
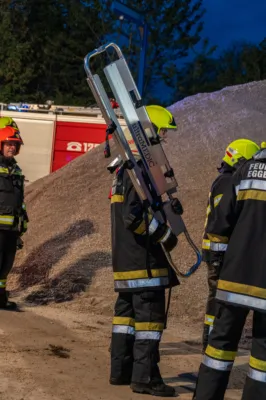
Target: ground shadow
186	382
179	348
38	264
75	279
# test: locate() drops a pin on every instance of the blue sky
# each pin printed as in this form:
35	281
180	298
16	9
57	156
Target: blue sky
233	20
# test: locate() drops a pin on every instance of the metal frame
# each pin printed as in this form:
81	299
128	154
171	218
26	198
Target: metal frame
159	177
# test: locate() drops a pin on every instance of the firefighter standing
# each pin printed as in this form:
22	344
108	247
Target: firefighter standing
240	224
212	253
13	215
139	316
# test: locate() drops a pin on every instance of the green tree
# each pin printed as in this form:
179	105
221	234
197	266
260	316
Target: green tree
14	54
43	47
175	28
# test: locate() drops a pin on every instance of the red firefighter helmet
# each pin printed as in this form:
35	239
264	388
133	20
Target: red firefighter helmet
10	134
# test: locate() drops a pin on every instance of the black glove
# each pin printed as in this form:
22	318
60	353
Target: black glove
167	237
20	243
217	258
177	206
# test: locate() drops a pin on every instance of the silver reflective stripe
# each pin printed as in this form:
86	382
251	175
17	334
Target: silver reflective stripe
252	184
257	375
139	283
254	302
218	246
153	226
232	151
150	335
127	330
210	329
217	200
7	219
217	364
166	236
237	189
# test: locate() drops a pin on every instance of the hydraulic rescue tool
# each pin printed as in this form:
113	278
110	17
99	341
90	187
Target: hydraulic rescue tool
159	183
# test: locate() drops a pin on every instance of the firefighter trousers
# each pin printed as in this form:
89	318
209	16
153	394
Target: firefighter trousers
138	324
212	305
221	351
8	248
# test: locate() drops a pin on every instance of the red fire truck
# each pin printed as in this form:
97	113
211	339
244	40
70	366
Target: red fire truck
54	135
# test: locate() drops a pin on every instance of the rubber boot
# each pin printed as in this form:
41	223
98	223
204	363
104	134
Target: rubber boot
119	381
154	389
5	304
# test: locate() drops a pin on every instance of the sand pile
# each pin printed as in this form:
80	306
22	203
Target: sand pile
67	247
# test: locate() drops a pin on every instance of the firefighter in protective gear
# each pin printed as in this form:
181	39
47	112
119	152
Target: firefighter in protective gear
13	215
236	153
141	275
240	225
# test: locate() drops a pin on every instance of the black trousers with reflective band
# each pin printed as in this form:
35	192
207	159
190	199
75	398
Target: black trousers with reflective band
137	328
218	360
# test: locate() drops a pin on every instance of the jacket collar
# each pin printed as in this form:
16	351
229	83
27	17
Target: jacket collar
260	155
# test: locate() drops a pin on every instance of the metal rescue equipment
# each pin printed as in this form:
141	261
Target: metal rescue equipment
159	174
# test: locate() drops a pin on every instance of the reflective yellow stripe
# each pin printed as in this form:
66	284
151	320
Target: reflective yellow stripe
4	170
141	228
123	321
208	210
220	354
257	364
217	199
251	195
206	244
2	283
117	198
242	289
149	326
209	319
23	206
217	238
140	274
6	220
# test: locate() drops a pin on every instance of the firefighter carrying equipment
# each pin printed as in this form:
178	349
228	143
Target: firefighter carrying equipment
240	225
220	354
158	178
10	134
132	247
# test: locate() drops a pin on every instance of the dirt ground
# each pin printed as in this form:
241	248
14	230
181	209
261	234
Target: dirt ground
56	348
55	353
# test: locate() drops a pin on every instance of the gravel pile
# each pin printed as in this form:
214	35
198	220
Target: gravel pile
67	246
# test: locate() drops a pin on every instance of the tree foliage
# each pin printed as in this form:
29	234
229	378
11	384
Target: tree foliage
241	63
175	28
44	42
